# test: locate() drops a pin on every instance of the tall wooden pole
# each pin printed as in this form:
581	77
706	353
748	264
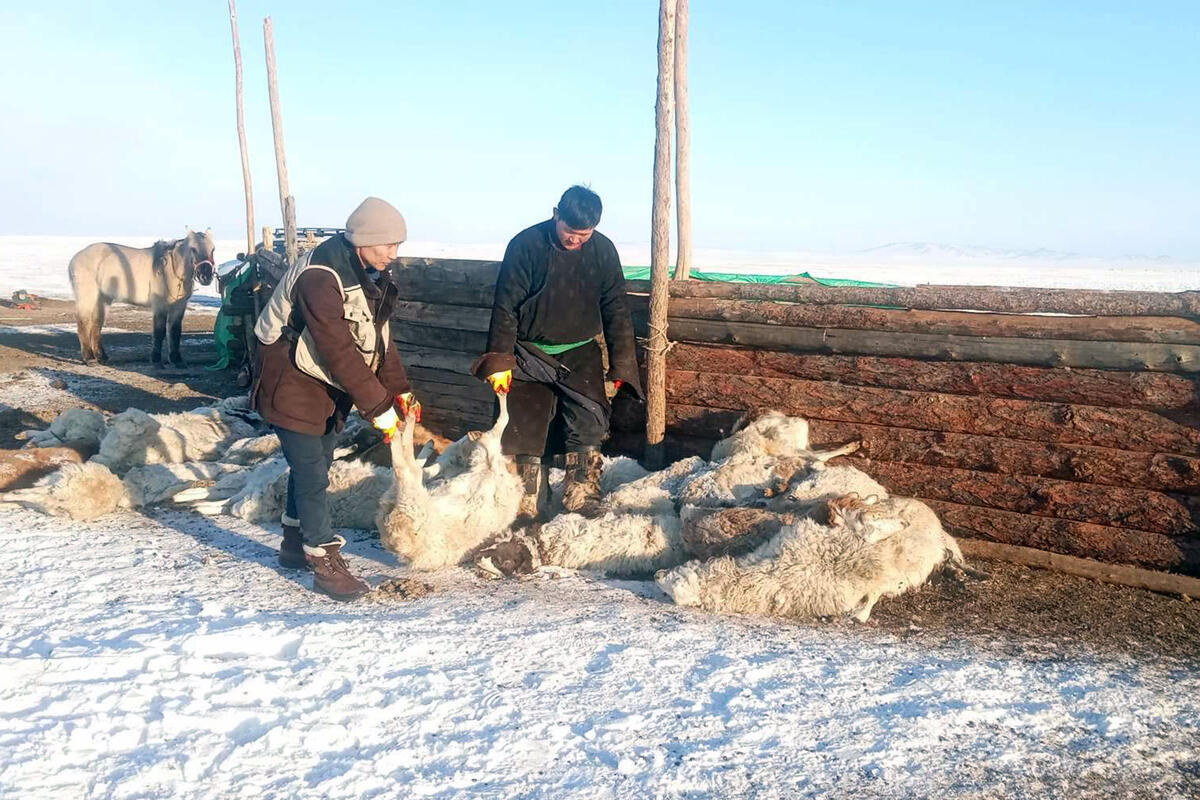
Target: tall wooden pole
683	147
287	203
241	129
660	240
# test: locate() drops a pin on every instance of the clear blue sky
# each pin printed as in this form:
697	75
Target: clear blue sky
816	125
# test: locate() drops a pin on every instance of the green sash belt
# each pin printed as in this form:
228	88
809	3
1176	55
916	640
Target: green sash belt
558	349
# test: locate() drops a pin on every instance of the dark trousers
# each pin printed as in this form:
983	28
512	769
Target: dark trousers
308	459
544	420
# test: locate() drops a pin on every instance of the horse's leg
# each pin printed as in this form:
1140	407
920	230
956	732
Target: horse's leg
176	319
160	332
87	304
97	341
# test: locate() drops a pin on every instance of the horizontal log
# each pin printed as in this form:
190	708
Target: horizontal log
1114	545
452	397
414	335
1122	429
1157	472
1183	358
957	323
451	425
440	315
435	358
468	383
1117	507
1011	300
447	270
415	287
1152	580
1151	390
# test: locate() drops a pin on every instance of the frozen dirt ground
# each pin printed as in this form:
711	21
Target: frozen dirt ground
164	655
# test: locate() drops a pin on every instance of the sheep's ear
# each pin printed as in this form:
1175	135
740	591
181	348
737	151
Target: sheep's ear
871	500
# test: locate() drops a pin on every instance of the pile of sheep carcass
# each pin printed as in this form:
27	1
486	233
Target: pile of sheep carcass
763	527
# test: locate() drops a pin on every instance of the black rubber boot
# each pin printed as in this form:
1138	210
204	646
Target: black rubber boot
291	549
535	481
581	490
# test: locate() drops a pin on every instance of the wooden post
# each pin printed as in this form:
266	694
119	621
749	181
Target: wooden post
241	129
287	203
660	241
268	239
683	146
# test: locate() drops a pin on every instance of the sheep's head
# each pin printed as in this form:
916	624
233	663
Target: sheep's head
864	516
403	529
771	433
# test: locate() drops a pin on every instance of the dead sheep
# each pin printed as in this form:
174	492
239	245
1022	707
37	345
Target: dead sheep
747	478
812	570
159	483
135	438
259	494
77	491
81	428
771	434
655	493
444	523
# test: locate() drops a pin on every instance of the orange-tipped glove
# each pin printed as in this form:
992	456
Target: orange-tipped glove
409	406
501	381
617	384
388	423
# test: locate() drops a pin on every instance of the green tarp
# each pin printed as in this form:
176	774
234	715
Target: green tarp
643	274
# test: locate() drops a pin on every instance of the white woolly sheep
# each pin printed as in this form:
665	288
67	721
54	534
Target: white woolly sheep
80	427
79	491
135	438
747	478
771	434
813	570
259	494
159	483
442	524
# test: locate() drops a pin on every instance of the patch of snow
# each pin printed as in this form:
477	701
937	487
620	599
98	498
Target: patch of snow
167	656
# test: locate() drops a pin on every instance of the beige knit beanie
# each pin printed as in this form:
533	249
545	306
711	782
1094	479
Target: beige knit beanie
375	221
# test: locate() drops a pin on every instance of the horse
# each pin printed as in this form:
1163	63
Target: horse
159	277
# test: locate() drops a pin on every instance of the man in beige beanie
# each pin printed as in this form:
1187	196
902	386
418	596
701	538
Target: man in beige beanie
326	346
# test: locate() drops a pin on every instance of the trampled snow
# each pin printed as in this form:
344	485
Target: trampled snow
39	264
166	656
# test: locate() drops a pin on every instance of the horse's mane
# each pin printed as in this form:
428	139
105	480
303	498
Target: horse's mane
160	250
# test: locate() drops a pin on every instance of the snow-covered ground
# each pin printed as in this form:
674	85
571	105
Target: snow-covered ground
39	264
166	656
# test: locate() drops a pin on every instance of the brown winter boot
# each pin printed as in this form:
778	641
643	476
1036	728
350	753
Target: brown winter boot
581	489
291	549
331	574
536	484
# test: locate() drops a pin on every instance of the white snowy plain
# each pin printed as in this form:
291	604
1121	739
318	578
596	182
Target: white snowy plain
39	264
165	655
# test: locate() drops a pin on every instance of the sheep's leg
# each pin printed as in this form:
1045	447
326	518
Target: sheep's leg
960	573
862	611
845	450
160	333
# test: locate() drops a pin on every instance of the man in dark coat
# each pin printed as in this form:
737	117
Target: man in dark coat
560	286
325	346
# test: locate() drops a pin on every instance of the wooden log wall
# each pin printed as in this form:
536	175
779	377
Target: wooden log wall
1062	420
